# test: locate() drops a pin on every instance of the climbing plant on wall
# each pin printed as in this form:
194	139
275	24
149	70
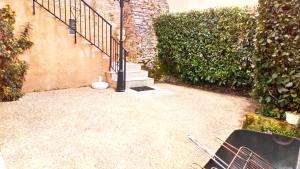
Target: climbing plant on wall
12	69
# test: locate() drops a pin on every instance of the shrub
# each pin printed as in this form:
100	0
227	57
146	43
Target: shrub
277	57
265	124
12	70
212	46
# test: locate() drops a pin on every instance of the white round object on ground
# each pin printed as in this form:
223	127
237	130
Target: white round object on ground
100	85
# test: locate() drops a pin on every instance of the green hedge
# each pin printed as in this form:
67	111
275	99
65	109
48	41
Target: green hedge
277	57
212	46
12	70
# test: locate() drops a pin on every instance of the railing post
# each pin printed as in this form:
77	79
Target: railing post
33	7
120	81
110	48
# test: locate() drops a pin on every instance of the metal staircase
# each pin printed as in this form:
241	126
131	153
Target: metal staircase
84	21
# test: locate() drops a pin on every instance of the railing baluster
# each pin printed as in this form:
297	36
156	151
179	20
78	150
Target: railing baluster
54	6
59	9
70	10
33	7
102	36
94	29
80	16
48	4
116	55
106	37
116	58
84	20
124	66
98	31
75	17
112	54
65	10
110	62
110	42
90	24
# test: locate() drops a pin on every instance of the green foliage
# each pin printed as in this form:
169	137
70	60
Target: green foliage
265	124
277	57
12	70
212	46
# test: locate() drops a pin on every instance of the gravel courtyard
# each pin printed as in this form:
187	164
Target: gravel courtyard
90	129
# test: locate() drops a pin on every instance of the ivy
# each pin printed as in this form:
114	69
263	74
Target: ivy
213	46
277	57
12	69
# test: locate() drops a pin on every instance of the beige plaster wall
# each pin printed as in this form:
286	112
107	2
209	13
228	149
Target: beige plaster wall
55	61
186	5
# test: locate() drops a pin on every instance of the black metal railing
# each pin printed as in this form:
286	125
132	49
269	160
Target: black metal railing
86	22
116	52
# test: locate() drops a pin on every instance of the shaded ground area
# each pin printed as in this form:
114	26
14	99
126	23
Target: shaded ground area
88	129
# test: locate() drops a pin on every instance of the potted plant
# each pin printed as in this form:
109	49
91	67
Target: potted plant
292	117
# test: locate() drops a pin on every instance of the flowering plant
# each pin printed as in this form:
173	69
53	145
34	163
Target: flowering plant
12	69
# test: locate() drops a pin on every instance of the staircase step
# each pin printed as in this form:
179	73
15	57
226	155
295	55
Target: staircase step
138	82
135	77
131	74
133	67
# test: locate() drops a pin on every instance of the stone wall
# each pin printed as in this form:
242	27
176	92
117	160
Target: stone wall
140	36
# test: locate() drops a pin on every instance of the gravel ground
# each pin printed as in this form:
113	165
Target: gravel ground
89	129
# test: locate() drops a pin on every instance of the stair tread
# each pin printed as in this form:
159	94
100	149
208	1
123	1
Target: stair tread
137	79
130	63
130	71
